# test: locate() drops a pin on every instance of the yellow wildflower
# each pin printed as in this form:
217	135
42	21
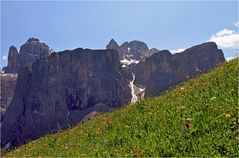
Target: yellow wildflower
228	116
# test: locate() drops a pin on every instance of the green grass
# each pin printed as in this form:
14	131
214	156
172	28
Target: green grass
197	118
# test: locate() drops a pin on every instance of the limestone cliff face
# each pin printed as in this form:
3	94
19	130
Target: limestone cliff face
62	89
30	51
8	84
163	70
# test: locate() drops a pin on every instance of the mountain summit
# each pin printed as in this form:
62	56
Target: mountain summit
30	51
130	52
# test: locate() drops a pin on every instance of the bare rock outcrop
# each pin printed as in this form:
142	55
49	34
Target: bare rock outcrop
13	65
163	70
8	84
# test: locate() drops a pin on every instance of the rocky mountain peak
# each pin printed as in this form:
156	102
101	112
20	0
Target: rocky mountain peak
130	52
13	61
33	39
204	46
34	46
112	45
154	50
138	44
30	51
12	49
13	53
207	44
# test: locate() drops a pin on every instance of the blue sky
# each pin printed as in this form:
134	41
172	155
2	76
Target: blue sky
161	24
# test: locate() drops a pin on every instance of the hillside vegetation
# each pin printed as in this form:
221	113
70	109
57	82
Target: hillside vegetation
197	118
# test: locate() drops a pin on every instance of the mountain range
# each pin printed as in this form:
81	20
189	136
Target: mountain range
51	91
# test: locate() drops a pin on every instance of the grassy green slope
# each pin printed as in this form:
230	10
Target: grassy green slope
198	118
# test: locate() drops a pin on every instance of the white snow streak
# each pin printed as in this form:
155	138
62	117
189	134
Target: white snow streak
131	85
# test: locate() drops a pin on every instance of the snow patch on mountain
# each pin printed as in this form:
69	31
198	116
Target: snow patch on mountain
126	62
